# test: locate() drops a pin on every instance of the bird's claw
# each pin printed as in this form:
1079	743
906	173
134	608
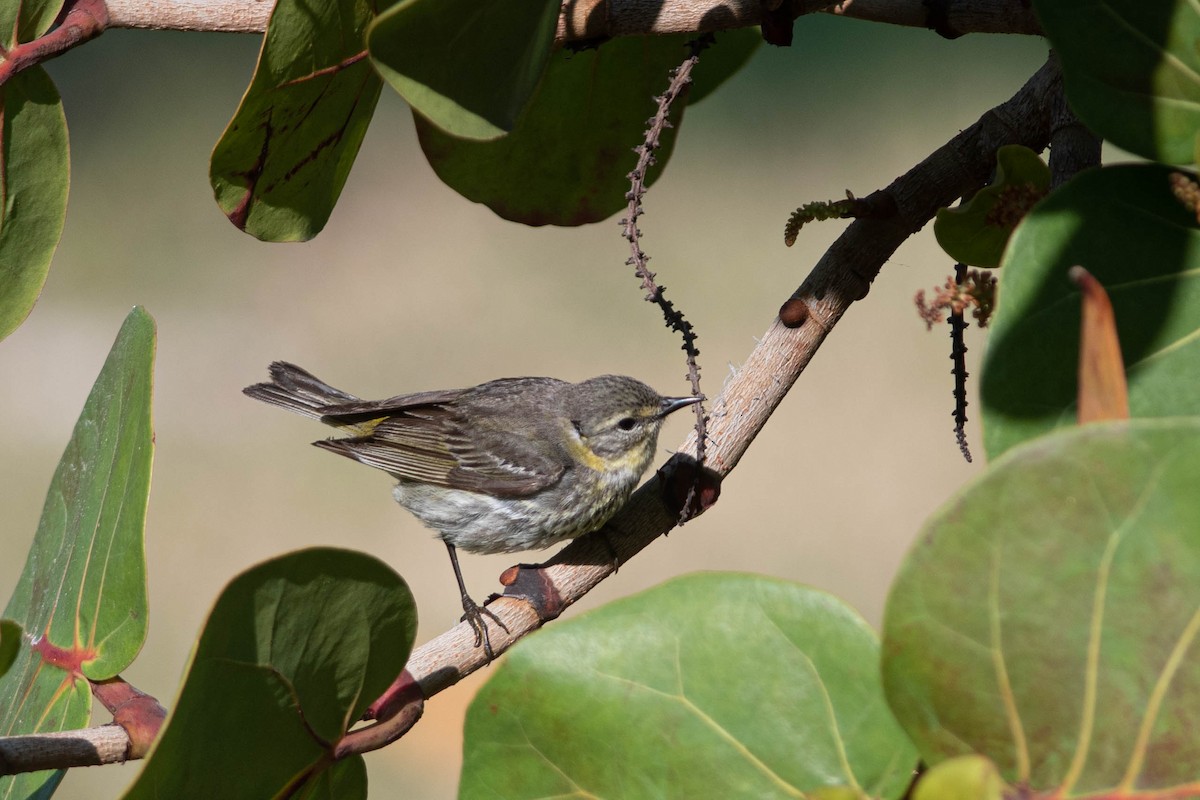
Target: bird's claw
473	615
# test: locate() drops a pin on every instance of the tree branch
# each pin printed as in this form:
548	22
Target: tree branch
1073	147
90	747
580	20
594	19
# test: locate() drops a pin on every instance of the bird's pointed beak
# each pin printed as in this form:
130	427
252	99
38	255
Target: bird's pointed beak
670	404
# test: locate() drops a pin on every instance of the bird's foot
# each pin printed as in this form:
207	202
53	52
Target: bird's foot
473	614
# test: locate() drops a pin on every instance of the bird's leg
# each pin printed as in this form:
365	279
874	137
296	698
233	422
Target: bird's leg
472	612
612	548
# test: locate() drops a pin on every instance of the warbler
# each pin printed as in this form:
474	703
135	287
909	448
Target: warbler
509	465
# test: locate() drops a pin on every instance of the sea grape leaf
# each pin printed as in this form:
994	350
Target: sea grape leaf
567	160
293	652
976	232
468	67
711	685
1126	228
1131	70
34	176
81	598
280	165
1047	616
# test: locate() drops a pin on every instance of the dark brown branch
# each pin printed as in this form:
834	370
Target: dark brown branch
950	18
1073	148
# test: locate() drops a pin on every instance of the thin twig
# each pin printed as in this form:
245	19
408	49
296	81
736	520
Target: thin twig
680	80
958	354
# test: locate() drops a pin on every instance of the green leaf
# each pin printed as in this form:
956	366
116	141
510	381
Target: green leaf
1131	70
292	653
82	594
566	161
1124	226
26	20
282	162
468	66
1047	616
730	52
34	173
10	644
345	779
711	685
976	232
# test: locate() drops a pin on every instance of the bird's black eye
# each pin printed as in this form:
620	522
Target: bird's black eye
627	423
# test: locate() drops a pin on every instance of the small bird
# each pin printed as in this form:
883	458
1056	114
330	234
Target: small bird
509	465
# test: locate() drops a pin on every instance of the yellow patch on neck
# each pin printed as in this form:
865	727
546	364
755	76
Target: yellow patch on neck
581	453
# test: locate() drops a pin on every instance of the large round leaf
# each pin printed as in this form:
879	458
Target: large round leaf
1047	617
1124	226
567	160
1132	70
293	652
715	685
468	66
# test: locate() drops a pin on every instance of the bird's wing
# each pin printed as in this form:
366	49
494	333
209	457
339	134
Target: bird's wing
350	414
427	441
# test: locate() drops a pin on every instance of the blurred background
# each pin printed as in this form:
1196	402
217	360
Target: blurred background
410	287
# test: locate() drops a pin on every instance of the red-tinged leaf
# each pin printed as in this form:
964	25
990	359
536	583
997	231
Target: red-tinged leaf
1126	227
1103	394
81	598
282	162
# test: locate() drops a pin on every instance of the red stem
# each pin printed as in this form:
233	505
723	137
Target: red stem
83	20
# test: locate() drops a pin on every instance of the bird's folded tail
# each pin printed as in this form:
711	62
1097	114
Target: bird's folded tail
298	390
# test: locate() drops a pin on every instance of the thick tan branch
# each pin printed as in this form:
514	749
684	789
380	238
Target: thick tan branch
106	744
